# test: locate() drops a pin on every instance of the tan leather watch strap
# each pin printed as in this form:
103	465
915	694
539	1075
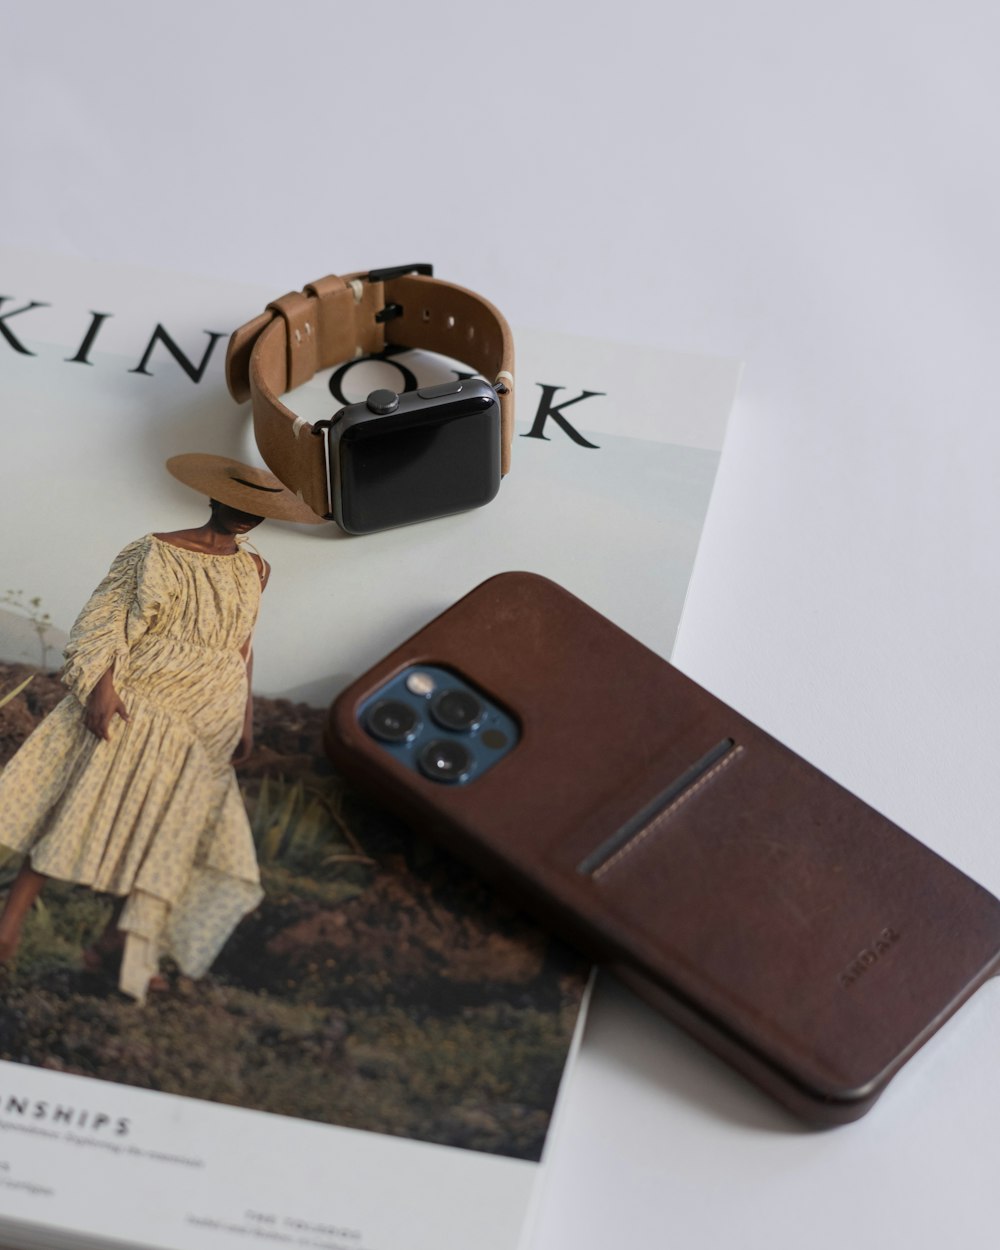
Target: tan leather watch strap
336	319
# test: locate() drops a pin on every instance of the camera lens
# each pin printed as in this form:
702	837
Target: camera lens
457	710
391	721
444	761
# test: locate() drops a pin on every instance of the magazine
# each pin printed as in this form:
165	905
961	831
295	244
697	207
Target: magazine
372	1058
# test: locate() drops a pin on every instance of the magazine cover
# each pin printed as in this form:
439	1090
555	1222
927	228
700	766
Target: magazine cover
239	1004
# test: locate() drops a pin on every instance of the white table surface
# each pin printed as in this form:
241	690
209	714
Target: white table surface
813	188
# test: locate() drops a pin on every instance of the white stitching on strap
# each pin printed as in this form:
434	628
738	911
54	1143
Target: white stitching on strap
504	377
358	287
297	425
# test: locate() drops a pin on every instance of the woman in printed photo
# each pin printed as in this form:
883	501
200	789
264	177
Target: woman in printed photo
128	786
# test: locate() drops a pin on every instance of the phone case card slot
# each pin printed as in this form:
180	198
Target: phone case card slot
655	814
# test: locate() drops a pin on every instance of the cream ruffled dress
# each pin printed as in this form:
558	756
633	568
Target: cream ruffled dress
154	814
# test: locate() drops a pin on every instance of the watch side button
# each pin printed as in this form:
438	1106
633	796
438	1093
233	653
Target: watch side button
443	388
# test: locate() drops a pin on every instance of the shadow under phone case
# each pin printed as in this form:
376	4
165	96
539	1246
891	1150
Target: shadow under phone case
778	918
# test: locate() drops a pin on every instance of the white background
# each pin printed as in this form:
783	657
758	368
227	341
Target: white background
813	188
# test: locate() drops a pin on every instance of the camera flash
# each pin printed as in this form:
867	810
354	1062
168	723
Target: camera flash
420	683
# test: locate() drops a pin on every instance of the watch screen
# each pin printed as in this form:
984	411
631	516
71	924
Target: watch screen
429	459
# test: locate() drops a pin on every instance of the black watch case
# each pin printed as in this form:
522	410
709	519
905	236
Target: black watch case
396	459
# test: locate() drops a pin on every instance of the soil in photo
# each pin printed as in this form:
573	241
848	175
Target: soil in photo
379	985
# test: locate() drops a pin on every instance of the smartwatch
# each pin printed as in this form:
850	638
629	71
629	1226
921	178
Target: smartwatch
393	458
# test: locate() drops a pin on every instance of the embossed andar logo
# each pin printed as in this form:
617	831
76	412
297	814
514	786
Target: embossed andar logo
868	957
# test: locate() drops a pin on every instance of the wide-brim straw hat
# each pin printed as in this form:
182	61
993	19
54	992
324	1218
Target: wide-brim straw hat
241	486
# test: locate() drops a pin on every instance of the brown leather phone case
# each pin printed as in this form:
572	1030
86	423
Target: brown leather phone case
798	933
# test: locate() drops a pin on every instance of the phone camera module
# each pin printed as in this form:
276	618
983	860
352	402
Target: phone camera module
432	721
457	710
444	760
392	721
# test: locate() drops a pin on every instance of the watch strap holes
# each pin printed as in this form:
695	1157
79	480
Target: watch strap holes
425	314
450	322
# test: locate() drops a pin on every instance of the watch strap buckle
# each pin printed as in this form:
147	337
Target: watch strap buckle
399	271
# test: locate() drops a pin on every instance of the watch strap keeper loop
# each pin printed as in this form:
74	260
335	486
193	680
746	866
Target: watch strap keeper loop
299	313
324	288
238	353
